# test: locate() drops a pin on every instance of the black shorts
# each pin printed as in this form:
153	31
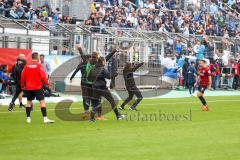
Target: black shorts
32	94
202	89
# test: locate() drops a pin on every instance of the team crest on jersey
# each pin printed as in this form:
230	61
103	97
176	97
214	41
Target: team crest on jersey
32	66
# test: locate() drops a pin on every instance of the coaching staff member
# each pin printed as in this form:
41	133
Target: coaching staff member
16	74
86	88
32	80
130	84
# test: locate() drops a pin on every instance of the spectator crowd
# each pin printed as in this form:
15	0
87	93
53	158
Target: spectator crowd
23	10
219	18
215	18
156	15
166	16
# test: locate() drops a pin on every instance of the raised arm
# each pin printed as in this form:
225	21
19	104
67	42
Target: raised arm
137	66
82	54
79	67
109	56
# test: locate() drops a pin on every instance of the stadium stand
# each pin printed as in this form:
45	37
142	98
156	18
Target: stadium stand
23	9
166	16
168	32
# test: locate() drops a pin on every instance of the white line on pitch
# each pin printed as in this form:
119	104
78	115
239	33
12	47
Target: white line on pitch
174	103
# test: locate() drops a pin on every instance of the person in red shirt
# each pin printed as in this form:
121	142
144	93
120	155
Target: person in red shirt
236	75
205	81
215	72
33	78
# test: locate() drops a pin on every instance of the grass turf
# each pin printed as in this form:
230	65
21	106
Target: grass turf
213	135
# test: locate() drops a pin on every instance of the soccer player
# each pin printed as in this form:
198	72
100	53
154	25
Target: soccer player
131	87
205	81
98	76
16	74
32	80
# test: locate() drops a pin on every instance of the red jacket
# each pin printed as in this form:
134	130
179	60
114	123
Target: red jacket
33	76
217	69
237	69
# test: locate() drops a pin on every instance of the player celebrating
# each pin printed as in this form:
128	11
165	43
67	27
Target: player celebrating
32	80
205	81
98	76
131	85
85	87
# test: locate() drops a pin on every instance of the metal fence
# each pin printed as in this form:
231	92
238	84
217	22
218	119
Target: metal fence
135	45
138	45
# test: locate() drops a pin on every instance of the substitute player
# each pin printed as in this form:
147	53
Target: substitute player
205	81
32	80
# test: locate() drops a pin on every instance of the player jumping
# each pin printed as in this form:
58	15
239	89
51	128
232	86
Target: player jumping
131	86
205	81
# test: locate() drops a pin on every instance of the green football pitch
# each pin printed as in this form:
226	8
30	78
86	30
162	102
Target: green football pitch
163	129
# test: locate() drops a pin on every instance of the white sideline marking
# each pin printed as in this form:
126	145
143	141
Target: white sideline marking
191	102
174	103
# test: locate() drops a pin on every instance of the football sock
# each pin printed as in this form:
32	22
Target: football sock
28	111
44	111
203	100
116	112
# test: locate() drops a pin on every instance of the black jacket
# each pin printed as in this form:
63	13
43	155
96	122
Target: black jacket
81	66
17	71
128	75
99	75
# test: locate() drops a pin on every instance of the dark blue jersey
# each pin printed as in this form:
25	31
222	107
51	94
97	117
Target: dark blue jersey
191	74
